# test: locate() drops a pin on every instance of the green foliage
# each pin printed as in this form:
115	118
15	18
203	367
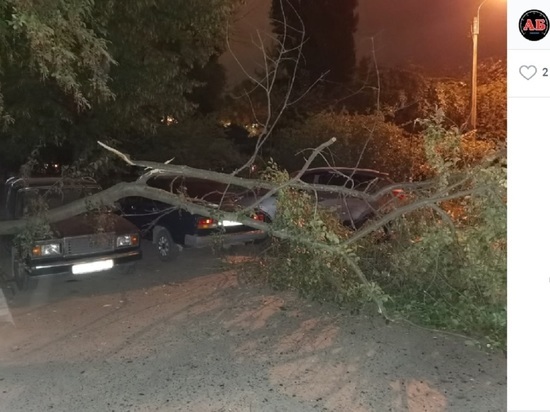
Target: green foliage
59	40
453	96
197	142
399	92
160	48
404	94
454	280
442	146
436	270
451	277
81	71
311	258
448	150
37	227
363	140
492	101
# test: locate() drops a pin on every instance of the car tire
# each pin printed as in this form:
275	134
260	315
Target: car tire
165	246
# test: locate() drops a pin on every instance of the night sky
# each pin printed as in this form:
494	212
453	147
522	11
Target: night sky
433	34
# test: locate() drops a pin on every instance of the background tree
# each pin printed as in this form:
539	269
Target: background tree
53	65
329	49
209	96
76	71
59	40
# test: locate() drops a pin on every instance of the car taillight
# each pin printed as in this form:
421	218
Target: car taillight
398	193
259	216
207	223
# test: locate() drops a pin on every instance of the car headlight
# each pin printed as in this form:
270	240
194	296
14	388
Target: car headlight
127	240
49	249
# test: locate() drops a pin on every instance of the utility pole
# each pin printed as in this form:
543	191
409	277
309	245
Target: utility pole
475	33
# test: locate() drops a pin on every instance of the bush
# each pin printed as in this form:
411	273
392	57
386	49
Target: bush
439	269
450	273
453	96
197	142
363	140
450	278
369	142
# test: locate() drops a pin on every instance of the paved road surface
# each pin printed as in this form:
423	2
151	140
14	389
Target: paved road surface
186	336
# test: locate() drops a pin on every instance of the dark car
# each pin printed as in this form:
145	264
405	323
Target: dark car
352	211
170	228
86	243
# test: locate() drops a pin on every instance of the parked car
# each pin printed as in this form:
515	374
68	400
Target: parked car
170	227
352	211
86	243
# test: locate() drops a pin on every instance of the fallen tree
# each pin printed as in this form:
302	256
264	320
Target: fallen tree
421	195
110	196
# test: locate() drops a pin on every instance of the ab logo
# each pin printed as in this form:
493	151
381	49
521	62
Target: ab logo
533	25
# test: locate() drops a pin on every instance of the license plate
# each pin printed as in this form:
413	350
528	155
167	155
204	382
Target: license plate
229	223
91	267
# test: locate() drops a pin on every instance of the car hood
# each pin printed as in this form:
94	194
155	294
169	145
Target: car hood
345	208
90	223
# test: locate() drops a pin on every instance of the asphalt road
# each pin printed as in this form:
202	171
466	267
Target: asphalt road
187	336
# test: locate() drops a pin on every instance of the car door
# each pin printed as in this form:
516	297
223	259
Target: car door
318	177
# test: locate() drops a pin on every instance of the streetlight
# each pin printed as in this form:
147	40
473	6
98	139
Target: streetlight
475	33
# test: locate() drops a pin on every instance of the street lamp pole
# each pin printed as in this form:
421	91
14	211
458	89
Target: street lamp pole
475	33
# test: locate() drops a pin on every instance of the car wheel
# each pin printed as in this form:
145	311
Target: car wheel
165	246
356	224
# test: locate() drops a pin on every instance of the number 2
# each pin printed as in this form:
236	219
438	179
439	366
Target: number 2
545	72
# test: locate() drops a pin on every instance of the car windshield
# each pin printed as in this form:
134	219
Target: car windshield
32	200
206	190
348	179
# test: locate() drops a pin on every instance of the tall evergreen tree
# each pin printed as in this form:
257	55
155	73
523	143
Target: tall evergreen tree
329	27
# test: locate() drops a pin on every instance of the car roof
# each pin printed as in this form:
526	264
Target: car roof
345	171
163	178
22	182
166	180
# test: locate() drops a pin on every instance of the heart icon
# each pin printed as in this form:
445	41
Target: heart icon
528	71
